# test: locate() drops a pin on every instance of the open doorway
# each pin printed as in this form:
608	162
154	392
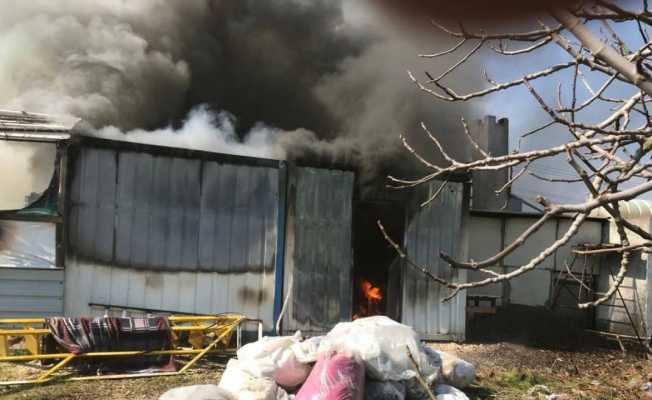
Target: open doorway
373	257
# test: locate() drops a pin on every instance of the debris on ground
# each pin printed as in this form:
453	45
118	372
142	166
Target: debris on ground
504	370
369	358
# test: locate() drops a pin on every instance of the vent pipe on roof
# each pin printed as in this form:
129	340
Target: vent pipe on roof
493	137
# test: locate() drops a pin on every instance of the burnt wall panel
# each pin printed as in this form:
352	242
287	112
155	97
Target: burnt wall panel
180	232
147	211
159	229
319	258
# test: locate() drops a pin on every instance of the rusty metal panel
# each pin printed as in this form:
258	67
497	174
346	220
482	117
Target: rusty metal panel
431	229
319	255
154	230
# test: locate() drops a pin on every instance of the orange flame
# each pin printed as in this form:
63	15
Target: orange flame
372	293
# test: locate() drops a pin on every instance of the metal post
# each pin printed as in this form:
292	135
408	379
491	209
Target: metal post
280	240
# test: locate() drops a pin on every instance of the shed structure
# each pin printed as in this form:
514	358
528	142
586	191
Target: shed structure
149	228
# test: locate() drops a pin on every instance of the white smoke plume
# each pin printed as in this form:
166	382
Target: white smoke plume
208	131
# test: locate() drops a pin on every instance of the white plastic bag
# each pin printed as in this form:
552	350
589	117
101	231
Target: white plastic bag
383	345
307	351
446	392
433	365
244	386
273	357
456	371
197	392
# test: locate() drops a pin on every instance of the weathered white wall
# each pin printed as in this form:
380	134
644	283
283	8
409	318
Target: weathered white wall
484	242
195	292
631	297
31	292
489	232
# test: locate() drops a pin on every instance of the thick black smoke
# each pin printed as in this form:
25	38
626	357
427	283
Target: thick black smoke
298	75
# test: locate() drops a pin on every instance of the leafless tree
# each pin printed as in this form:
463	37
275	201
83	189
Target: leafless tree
605	43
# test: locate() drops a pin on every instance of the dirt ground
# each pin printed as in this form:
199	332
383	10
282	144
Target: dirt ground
511	371
505	371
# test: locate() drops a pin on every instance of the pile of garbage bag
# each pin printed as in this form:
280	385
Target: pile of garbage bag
369	358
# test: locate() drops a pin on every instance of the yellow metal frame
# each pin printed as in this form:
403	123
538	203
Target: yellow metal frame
221	326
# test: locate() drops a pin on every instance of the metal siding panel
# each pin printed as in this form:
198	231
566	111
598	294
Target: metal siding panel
187	289
159	213
209	204
119	285
174	243
136	288
92	204
191	207
30	304
153	290
101	284
142	191
29	288
432	229
87	201
203	293
31	292
239	225
125	204
255	222
171	291
105	206
220	288
271	204
155	209
322	249
225	218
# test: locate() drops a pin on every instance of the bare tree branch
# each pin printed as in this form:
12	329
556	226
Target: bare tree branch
610	158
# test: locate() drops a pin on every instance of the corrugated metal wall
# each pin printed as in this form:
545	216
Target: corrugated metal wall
170	232
431	229
319	255
31	292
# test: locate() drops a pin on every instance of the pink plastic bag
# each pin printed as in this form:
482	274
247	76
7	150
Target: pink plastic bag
334	377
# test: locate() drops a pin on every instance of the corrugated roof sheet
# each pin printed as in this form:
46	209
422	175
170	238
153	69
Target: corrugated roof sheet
21	125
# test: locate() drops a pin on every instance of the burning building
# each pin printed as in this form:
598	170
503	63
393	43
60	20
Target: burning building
150	228
142	228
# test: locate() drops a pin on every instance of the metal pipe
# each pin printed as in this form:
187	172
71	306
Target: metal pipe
22	321
43	331
205	350
43	377
131	353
